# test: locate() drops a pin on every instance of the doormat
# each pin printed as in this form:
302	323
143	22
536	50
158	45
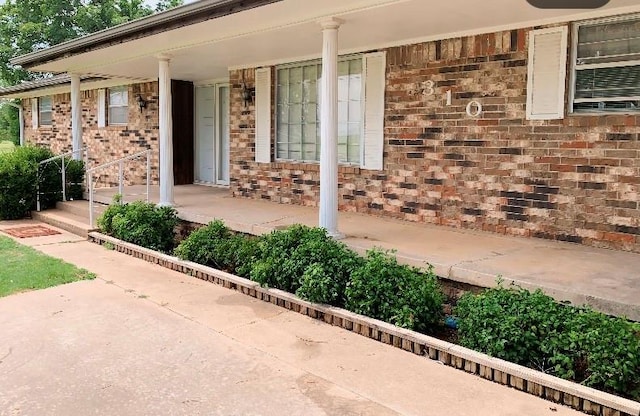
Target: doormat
30	231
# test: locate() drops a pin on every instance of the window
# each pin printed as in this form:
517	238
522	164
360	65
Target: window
118	106
298	122
44	111
606	76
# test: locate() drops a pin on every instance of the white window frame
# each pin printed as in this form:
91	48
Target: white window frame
50	123
362	108
574	62
110	122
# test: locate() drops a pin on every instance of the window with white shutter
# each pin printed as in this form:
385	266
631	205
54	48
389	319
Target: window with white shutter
547	73
263	115
118	106
45	111
361	86
606	65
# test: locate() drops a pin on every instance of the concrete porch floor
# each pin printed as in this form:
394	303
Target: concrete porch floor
607	280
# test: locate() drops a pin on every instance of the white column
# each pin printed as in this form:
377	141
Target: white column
76	116
329	128
166	133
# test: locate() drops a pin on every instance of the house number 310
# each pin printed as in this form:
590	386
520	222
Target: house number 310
473	109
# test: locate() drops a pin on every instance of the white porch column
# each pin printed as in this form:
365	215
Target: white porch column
166	132
329	128
76	116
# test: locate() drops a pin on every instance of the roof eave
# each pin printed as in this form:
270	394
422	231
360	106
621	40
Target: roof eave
156	23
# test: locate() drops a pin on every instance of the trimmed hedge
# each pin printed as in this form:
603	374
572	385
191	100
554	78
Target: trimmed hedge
141	223
217	246
532	329
308	262
404	296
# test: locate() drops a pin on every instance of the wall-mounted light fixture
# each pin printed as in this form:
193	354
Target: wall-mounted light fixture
247	92
142	103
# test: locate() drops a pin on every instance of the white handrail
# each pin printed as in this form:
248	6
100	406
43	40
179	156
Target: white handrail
63	169
120	162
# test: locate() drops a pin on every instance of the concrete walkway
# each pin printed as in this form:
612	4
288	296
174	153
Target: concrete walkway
143	340
605	279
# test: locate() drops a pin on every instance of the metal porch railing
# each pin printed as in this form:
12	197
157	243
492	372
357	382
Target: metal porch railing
64	162
120	162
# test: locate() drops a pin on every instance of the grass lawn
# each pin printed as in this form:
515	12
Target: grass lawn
23	268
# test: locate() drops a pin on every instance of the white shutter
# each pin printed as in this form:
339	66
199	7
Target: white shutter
547	73
263	115
34	113
374	73
101	108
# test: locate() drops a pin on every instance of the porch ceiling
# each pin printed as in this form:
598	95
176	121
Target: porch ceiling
288	30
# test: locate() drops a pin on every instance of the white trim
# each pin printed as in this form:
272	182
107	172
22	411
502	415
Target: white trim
562	74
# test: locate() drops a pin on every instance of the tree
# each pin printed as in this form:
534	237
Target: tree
30	25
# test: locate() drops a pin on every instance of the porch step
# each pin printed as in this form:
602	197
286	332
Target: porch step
81	208
65	220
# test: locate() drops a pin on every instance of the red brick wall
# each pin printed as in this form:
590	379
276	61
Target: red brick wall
575	179
107	143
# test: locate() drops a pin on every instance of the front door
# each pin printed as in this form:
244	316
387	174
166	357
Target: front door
212	135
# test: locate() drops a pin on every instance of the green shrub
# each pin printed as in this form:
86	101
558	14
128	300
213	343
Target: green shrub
17	185
75	179
531	329
20	173
217	246
305	261
402	295
141	223
105	221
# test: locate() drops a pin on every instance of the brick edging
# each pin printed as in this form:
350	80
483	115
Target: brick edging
552	388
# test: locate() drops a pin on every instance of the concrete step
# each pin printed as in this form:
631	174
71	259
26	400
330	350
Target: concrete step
78	225
81	208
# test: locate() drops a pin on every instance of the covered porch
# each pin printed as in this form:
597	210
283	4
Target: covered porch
605	279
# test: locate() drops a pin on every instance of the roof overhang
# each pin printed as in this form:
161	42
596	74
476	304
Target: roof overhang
288	30
60	84
181	16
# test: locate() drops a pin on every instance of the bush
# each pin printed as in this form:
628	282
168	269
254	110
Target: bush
17	186
19	174
402	295
217	246
307	262
141	223
531	329
75	179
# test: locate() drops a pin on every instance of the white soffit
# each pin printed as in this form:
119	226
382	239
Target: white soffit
288	30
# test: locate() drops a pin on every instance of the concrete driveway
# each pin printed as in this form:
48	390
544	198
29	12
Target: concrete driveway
143	340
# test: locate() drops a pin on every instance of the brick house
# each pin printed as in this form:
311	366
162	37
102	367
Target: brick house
511	119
